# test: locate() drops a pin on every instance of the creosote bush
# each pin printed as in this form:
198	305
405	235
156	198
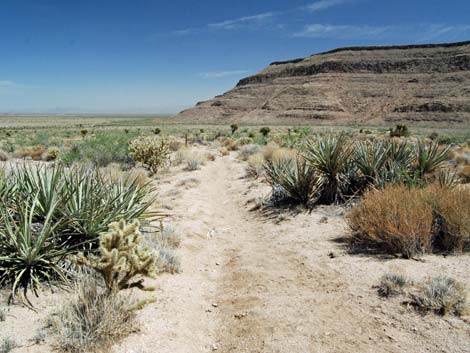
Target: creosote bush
151	151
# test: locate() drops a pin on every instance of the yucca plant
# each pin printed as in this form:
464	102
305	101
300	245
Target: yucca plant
295	177
330	157
46	184
94	203
370	158
30	253
429	157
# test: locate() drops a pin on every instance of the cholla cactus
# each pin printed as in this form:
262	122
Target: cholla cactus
151	151
122	257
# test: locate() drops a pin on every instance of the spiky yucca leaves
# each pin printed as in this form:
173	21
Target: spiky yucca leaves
123	258
429	157
370	159
30	253
330	157
93	203
294	176
46	183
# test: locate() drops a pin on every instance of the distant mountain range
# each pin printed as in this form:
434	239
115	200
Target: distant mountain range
414	84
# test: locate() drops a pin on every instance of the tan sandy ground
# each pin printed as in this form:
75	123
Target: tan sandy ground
267	282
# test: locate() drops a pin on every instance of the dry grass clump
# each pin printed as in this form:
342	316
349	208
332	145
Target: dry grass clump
93	319
35	153
174	145
224	152
4	156
246	151
391	284
7	345
269	150
255	167
395	219
283	154
194	161
442	295
464	174
230	144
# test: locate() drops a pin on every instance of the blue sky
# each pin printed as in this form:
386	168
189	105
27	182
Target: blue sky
148	56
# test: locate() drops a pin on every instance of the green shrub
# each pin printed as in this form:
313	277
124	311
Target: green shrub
233	128
152	152
101	150
264	131
400	131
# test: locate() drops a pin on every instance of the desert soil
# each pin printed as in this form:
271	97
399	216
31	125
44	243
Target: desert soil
278	281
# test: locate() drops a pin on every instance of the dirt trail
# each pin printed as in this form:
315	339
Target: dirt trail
251	285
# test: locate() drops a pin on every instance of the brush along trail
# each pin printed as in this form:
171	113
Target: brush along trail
276	282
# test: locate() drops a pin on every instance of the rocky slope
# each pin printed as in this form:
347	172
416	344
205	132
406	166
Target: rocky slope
425	84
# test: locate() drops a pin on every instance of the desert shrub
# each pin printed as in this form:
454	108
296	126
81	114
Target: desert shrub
93	319
168	236
123	258
167	261
400	131
194	161
35	153
269	150
464	174
452	217
255	167
442	295
174	145
295	177
265	131
157	131
102	149
51	154
248	150
283	154
330	157
4	156
7	344
396	219
152	152
244	141
391	284
230	144
233	128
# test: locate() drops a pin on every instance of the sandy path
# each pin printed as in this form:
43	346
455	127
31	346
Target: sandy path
251	285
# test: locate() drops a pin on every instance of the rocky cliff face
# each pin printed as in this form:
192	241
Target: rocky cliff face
426	84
